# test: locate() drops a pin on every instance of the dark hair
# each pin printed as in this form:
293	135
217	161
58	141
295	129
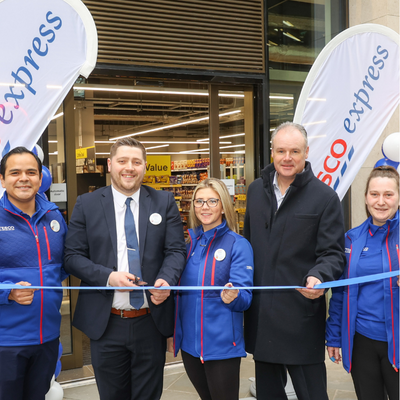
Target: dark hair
383	171
131	142
18	150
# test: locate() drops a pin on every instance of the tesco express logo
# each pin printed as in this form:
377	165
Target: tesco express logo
335	162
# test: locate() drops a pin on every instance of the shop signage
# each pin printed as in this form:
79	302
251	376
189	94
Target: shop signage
58	192
347	100
158	165
85	160
55	43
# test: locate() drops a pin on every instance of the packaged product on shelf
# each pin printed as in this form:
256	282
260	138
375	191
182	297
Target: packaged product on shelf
163	179
149	179
202	176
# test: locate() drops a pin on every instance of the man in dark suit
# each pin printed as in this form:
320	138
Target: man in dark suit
128	345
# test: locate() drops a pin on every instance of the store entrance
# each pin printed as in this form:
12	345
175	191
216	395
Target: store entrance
182	128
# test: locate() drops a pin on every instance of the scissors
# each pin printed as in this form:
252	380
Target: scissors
138	281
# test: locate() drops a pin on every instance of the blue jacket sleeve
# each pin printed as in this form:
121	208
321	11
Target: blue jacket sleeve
241	274
5	293
333	334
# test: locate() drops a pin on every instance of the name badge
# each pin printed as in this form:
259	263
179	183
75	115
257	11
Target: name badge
155	219
219	254
55	225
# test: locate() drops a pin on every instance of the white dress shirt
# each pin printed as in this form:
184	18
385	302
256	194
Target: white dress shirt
121	299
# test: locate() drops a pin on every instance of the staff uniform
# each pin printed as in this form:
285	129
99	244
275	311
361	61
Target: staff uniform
205	326
32	251
370	309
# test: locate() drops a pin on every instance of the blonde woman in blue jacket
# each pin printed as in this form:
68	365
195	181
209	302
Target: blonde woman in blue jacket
364	318
209	323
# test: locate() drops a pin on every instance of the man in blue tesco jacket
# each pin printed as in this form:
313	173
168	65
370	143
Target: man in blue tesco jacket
32	232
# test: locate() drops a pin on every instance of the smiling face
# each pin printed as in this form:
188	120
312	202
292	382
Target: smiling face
21	180
210	217
127	168
382	199
289	153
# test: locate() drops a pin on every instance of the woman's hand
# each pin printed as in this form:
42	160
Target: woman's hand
334	354
228	296
22	296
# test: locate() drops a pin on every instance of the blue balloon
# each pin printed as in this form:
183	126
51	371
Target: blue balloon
58	365
386	161
46	180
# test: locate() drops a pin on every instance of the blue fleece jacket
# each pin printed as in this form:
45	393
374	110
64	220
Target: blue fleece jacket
205	326
32	250
341	324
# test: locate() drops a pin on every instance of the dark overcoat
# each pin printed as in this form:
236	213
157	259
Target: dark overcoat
304	237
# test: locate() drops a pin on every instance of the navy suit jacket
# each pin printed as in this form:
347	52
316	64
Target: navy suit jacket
91	254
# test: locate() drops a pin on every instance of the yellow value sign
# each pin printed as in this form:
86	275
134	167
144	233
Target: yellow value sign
82	153
158	165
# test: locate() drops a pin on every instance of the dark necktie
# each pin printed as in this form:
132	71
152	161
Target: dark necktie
136	296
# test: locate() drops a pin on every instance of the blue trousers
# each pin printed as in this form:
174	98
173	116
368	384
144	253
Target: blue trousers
26	371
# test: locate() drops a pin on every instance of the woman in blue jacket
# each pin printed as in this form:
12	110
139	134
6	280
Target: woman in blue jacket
209	323
364	319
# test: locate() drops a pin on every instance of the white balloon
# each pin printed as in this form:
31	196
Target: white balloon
56	392
391	147
40	153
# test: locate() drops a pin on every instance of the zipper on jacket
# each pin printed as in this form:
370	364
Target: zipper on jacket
391	300
36	235
233	332
348	310
41	284
47	243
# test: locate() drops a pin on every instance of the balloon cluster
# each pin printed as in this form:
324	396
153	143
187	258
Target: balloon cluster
391	151
46	175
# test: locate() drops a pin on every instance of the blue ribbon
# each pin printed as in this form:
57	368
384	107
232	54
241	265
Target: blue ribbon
325	285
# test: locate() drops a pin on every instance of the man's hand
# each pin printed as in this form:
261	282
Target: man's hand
311	293
159	296
228	296
121	278
334	354
22	296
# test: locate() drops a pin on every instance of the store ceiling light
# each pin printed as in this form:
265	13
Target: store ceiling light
161	128
289	35
287	23
222	137
199	150
156	147
157	142
281	97
314	123
12	84
156	90
57	116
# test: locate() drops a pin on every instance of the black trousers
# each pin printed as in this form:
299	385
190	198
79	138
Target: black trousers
309	381
128	360
26	371
215	379
371	370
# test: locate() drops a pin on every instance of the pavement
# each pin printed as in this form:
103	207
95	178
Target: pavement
79	384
